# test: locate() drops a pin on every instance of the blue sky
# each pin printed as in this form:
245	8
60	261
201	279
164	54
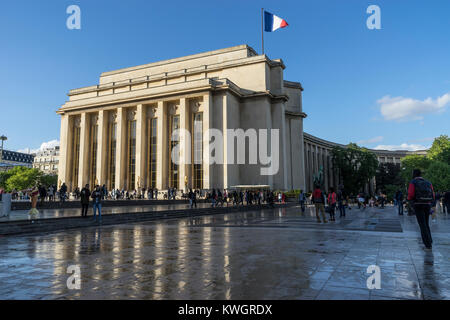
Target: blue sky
383	87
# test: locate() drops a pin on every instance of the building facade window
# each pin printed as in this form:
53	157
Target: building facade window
174	156
152	149
197	167
131	154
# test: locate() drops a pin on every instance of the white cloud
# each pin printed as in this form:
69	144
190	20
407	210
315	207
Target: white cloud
403	146
372	140
401	108
44	145
421	140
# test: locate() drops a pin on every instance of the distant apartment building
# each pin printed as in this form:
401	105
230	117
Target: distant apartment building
11	159
47	160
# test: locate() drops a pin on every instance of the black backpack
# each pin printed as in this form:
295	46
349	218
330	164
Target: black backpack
423	191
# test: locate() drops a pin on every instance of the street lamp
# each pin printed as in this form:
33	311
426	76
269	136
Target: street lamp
2	138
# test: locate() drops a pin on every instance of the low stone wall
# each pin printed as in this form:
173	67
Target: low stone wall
67	223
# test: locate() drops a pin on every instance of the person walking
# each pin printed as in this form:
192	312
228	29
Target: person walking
318	200
446	202
194	199
340	202
421	194
34	193
42	194
84	196
332	203
191	198
301	200
62	193
51	193
438	197
97	203
399	199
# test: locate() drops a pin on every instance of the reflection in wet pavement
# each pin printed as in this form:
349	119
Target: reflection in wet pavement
268	254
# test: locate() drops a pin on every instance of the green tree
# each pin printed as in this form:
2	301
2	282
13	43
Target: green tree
22	178
411	162
390	190
4	176
355	165
440	150
48	179
438	173
388	174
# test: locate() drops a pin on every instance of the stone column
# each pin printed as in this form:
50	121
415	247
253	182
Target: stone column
225	140
83	175
102	147
141	133
283	154
207	124
121	148
185	145
162	167
268	110
326	168
64	160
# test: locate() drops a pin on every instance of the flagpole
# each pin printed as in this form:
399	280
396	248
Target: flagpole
262	30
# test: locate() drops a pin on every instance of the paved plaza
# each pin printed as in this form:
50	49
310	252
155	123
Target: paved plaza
267	254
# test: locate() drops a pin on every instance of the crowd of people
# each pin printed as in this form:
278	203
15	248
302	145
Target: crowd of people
241	197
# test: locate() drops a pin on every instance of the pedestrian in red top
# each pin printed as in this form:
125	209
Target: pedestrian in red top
318	199
332	203
421	195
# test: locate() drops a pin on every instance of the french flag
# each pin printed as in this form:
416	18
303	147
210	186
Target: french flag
273	22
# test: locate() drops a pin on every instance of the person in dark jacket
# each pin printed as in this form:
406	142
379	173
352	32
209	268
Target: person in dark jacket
421	194
399	199
446	202
62	192
97	203
84	196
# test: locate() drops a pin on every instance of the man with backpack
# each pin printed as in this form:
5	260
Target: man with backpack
318	199
421	194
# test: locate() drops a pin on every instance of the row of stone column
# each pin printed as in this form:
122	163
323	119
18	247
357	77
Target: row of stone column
160	110
315	157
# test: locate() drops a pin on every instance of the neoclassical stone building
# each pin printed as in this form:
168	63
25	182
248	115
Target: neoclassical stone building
119	132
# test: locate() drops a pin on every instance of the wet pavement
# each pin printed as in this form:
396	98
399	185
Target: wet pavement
267	254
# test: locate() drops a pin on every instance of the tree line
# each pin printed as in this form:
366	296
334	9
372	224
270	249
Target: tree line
22	178
356	166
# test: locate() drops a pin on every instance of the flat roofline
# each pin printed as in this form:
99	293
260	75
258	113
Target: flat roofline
179	59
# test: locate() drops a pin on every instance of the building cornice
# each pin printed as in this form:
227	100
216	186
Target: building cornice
172	90
293	85
296	114
380	153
